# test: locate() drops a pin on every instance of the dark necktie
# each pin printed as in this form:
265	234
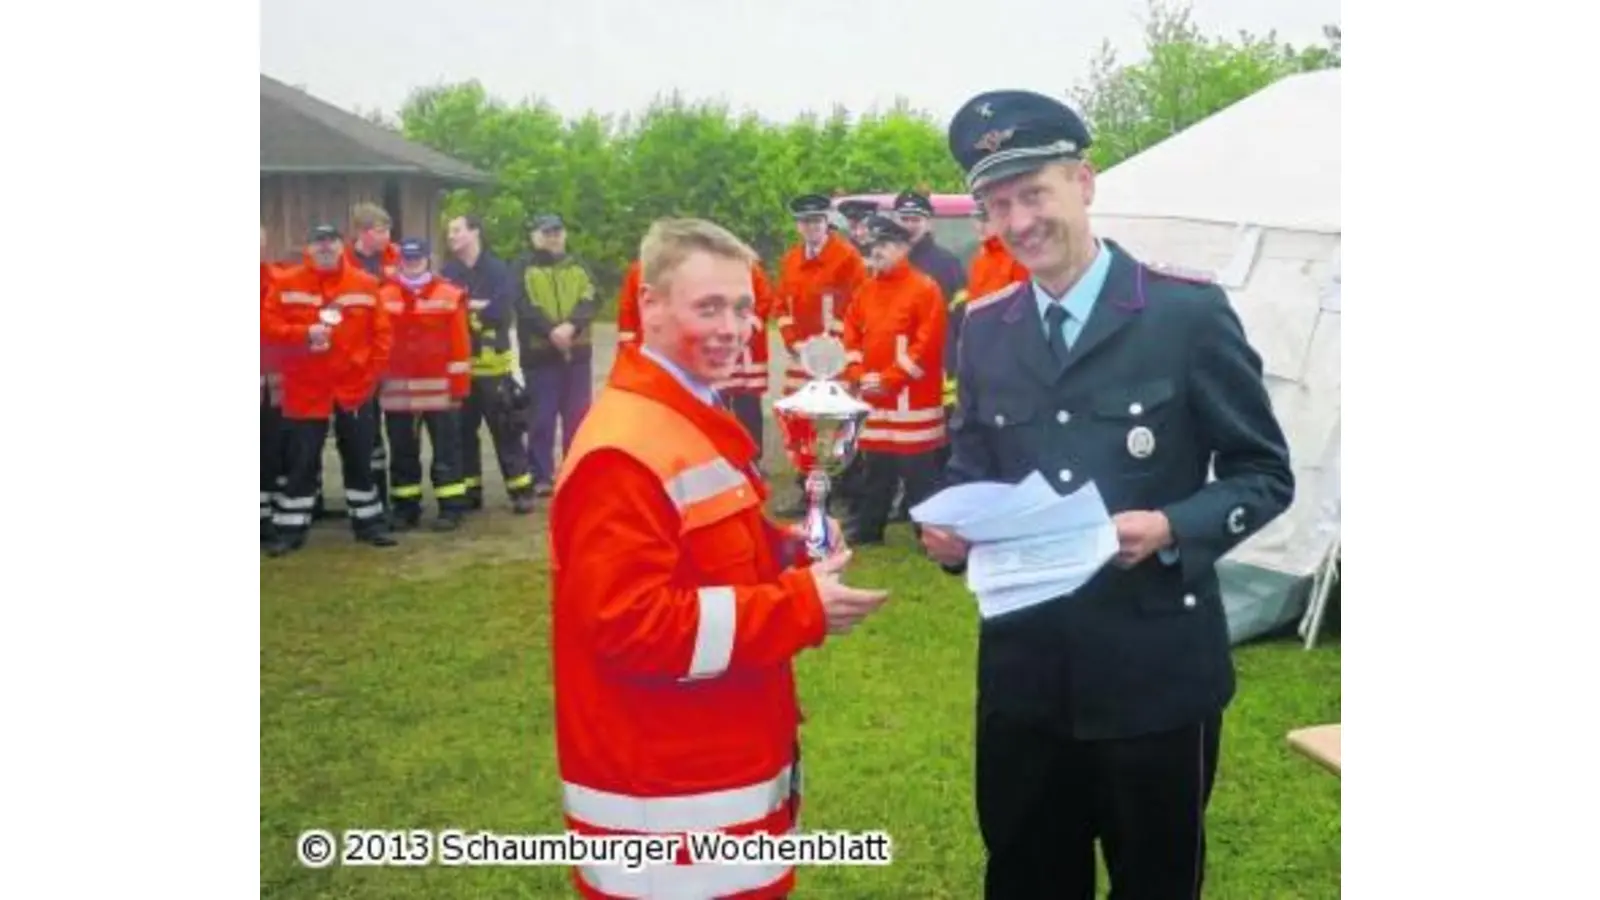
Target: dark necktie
1055	317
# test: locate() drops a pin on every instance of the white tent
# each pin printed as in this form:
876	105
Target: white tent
1250	196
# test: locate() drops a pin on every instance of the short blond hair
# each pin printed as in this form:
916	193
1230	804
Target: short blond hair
369	215
670	242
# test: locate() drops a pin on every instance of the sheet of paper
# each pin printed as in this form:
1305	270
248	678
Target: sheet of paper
1081	509
982	501
1064	560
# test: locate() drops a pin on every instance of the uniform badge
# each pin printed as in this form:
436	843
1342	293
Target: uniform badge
1236	520
1141	442
993	140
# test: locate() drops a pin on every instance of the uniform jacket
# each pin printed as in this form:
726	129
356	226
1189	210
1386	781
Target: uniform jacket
896	328
814	295
430	365
271	353
382	266
677	610
630	331
552	290
1158	388
992	269
491	311
346	374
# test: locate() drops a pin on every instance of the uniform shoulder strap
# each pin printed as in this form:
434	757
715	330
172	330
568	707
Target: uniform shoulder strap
992	297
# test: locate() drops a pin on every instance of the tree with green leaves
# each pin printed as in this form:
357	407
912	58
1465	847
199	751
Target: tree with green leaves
610	176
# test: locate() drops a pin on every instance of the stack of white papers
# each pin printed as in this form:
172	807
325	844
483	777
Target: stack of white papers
1029	544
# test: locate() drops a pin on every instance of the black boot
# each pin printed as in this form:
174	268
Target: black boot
286	543
449	520
522	503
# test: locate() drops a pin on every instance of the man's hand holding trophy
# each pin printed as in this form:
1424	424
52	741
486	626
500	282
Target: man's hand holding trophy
320	336
821	424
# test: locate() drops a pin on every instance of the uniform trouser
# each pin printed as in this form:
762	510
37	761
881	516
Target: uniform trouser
747	409
405	461
561	390
487	404
1043	798
274	458
353	434
881	473
380	454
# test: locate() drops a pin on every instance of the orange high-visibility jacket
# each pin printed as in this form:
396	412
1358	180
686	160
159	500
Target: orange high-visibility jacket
750	373
271	354
677	610
896	328
347	372
992	269
390	258
814	296
430	366
629	329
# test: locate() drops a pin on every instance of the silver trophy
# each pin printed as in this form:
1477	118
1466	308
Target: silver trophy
821	425
330	316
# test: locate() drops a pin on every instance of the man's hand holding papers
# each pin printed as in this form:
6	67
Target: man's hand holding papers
1024	544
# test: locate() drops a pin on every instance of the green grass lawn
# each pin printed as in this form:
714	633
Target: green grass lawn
409	688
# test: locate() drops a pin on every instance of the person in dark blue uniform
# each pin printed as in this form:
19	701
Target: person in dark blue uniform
1099	714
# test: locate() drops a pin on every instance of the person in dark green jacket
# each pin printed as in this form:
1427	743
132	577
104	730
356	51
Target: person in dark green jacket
556	305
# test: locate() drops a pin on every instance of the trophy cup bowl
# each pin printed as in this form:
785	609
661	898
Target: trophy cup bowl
821	424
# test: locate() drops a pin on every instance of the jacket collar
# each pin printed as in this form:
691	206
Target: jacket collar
638	374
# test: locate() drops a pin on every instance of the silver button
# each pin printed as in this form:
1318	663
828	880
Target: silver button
999	419
1136	409
1063	417
1188	601
1066	475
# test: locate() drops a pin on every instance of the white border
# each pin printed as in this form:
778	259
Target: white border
129	643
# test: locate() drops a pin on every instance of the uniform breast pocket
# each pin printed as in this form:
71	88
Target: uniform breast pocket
1011	419
1137	425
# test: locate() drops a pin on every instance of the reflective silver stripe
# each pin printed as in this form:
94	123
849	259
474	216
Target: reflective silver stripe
853	356
266	496
703	482
291	519
709	811
626	335
367	512
360	496
713	637
902	437
476	304
785	320
462	367
356	300
417	384
906	416
435	304
297	502
682	882
902	355
300	297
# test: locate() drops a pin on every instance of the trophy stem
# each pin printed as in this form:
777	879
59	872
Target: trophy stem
819	543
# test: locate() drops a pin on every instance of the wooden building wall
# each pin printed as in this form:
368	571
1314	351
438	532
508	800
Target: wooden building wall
291	204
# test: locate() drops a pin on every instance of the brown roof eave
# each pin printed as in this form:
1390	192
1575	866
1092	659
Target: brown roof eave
449	180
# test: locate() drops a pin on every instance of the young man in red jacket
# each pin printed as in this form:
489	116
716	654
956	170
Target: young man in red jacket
678	607
336	340
429	378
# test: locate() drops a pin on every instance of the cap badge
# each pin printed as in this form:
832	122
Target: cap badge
985	110
993	140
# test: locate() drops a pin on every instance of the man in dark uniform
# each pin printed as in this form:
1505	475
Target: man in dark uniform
855	214
1099	713
495	393
915	212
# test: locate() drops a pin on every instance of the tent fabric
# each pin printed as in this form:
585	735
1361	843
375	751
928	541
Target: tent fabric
1271	159
1250	196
